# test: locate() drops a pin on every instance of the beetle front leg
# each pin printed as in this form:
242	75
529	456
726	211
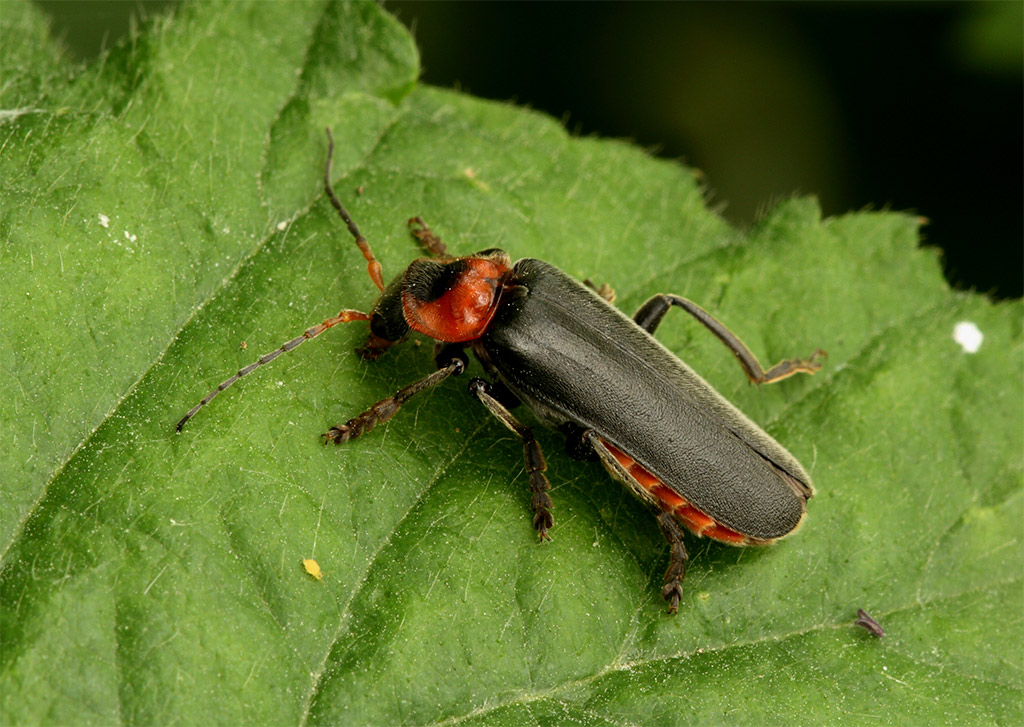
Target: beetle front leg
673	590
386	408
540	502
653	311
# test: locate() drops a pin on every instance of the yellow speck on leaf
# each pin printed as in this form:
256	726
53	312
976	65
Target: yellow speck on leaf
313	568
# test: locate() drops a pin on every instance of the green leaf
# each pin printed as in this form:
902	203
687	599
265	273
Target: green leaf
163	206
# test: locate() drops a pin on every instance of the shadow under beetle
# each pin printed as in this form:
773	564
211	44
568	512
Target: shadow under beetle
581	365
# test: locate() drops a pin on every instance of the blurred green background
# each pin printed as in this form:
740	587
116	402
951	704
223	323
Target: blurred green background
912	106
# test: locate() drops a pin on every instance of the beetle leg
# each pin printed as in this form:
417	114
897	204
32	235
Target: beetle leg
624	468
375	347
386	408
653	311
540	503
673	590
504	395
578	443
427	238
445	353
604	290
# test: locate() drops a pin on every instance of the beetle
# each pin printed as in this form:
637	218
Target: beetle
579	364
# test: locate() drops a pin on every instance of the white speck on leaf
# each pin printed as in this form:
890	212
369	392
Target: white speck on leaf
968	335
104	220
282	226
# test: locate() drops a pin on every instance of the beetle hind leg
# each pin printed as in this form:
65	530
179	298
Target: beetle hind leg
673	590
653	311
540	502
